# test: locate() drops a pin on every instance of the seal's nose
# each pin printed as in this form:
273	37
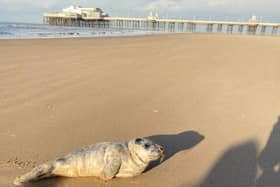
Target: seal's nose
161	150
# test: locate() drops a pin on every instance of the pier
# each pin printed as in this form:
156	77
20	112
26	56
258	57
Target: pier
96	18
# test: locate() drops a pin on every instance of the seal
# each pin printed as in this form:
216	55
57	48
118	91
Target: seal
105	160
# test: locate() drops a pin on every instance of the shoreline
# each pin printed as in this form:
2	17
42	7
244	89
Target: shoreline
144	35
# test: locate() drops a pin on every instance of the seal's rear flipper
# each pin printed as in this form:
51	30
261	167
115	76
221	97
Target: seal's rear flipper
40	172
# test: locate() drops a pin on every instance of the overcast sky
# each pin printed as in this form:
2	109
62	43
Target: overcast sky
31	10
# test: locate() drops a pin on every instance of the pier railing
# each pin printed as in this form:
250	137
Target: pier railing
163	25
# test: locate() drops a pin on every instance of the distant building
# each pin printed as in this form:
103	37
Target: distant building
253	19
152	17
85	13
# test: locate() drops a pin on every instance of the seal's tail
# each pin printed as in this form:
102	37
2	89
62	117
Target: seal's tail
37	173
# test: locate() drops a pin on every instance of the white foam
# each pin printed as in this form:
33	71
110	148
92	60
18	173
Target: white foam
30	31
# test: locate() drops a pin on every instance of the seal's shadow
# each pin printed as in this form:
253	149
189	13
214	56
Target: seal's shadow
174	143
50	182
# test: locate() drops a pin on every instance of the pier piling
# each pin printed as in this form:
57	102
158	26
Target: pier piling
209	28
252	29
274	30
240	29
220	28
229	29
191	27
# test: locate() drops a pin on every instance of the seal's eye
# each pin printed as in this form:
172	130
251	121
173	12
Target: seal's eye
138	140
147	146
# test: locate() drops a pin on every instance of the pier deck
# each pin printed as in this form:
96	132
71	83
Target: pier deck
163	25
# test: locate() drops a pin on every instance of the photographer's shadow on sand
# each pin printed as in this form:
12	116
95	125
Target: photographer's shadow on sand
174	143
269	159
239	164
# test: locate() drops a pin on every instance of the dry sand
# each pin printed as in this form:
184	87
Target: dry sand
213	101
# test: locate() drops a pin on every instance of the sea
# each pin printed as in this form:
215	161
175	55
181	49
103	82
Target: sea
39	31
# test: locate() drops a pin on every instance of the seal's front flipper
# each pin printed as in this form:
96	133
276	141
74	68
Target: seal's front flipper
111	168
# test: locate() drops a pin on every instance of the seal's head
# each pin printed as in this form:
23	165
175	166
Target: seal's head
146	150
